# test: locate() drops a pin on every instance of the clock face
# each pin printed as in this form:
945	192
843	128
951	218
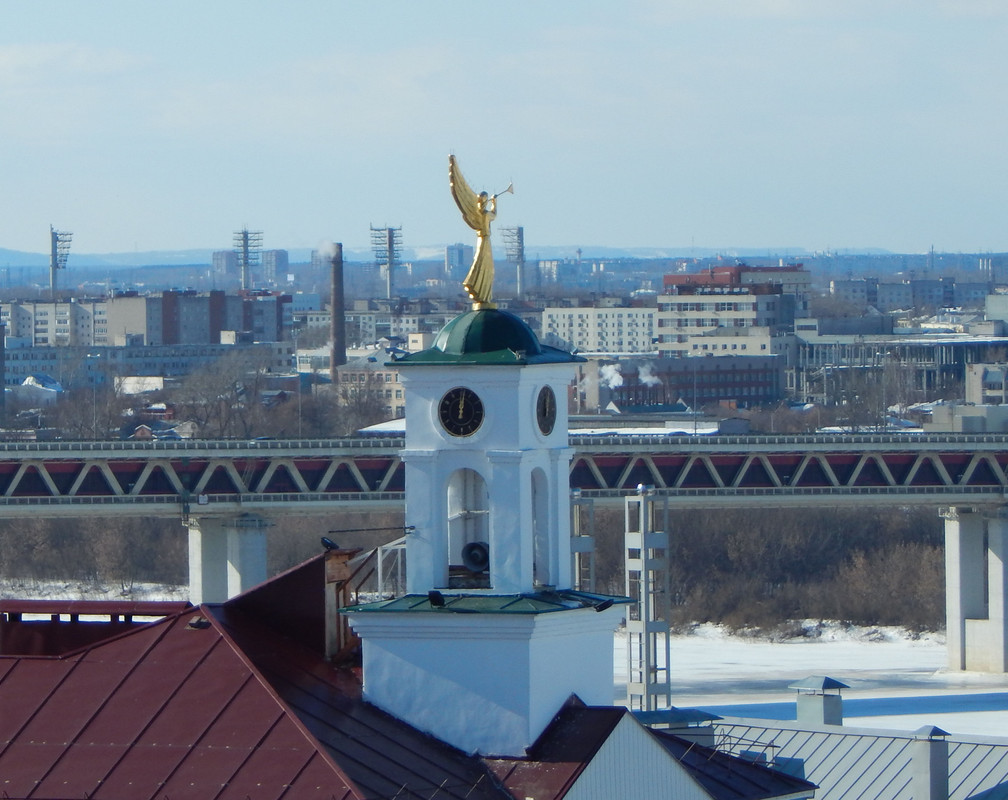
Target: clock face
461	411
546	410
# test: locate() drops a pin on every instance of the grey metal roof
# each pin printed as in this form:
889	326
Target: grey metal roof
818	683
726	778
867	764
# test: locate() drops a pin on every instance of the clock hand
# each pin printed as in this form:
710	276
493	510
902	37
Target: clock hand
461	405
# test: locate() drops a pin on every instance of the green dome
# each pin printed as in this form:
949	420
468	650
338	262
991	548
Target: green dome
488	336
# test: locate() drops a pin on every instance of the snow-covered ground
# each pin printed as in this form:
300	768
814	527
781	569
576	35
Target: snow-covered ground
897	681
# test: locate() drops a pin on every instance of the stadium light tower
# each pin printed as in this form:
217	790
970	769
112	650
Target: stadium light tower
386	244
514	250
248	252
60	249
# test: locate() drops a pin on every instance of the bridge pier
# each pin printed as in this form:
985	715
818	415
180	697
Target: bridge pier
976	589
226	556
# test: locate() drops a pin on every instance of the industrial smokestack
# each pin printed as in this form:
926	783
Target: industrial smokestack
337	313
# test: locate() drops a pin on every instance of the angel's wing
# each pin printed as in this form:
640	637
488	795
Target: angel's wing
465	198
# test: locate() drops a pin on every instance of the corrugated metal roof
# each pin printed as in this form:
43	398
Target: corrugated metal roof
867	764
728	778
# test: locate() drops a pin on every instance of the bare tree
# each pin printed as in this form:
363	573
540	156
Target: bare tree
224	399
362	404
94	413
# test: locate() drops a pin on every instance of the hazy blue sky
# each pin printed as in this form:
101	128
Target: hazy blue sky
759	123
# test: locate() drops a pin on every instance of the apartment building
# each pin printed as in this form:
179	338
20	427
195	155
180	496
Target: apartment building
987	384
74	323
729	297
695	309
607	329
915	293
171	317
74	367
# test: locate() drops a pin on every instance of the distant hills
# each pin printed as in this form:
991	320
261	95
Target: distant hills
169	258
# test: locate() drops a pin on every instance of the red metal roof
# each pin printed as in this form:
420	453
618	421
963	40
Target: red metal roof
237	701
221	701
48	627
561	753
171	709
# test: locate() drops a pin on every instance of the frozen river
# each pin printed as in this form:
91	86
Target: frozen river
896	681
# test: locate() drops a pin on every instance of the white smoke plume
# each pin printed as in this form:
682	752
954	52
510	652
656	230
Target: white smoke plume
609	375
326	249
646	376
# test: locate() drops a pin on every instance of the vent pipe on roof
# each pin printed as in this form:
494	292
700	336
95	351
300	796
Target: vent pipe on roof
929	764
819	702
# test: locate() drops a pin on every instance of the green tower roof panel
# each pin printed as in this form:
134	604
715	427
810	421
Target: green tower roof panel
488	336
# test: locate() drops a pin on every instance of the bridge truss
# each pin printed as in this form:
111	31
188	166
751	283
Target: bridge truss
318	476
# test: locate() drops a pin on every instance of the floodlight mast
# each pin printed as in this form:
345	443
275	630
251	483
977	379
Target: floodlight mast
514	251
60	248
386	244
248	252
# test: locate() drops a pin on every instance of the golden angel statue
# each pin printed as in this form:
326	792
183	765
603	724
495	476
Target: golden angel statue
478	211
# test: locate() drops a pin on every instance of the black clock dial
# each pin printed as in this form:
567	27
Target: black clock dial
546	410
461	411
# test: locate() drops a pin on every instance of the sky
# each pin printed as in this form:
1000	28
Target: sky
776	124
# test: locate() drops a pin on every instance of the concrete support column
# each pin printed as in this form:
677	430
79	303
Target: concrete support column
246	553
987	650
208	554
976	589
965	595
226	556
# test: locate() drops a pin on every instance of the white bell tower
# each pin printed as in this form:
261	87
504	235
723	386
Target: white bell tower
481	650
487	460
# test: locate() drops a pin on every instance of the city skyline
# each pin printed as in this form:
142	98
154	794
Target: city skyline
769	124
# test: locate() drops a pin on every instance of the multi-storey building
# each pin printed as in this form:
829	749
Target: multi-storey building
172	317
729	297
94	365
225	263
987	384
604	329
647	384
919	293
77	322
275	264
458	259
694	309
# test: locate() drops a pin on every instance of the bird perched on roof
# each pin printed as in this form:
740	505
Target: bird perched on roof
329	544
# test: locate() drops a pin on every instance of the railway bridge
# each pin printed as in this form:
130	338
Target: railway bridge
225	492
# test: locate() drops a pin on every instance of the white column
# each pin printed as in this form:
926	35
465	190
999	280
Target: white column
964	584
994	645
246	553
208	557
